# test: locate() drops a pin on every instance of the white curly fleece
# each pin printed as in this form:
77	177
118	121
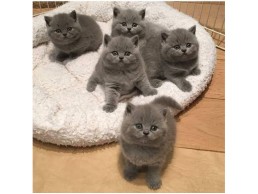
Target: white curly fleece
64	112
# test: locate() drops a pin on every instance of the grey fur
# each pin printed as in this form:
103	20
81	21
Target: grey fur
147	139
125	19
164	61
118	73
73	34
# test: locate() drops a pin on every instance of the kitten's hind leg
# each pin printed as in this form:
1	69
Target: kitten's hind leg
111	97
130	171
145	87
153	177
181	83
196	71
92	83
156	82
61	56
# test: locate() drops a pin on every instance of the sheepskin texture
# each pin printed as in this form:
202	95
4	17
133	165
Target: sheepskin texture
64	113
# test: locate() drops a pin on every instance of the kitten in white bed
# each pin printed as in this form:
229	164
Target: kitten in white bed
73	34
120	70
172	55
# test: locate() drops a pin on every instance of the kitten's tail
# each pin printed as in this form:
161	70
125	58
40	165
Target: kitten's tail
167	102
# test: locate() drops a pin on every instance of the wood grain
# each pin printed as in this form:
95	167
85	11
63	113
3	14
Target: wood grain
96	170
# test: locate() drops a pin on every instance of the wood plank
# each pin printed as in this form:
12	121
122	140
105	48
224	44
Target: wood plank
202	125
60	169
216	88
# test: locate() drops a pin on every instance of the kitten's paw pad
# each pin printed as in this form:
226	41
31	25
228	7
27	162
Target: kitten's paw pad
150	92
154	185
186	86
90	88
156	83
196	71
109	107
130	175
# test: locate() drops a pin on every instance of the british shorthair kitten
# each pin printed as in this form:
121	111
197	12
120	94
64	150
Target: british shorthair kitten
73	34
147	139
128	22
120	70
172	55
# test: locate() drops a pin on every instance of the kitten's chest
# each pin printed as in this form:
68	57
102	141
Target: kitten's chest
181	67
126	81
141	156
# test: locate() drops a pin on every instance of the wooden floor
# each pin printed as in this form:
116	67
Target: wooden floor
198	164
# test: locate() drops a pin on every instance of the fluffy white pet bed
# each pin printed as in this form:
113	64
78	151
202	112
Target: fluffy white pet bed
64	113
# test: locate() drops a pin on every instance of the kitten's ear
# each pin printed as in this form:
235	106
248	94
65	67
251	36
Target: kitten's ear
73	15
129	108
116	11
192	29
135	40
142	13
164	113
107	39
164	36
48	20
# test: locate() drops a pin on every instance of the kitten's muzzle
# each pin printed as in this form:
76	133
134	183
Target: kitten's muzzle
121	58
129	29
183	50
65	34
146	133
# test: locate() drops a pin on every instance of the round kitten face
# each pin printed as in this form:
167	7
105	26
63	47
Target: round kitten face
129	23
120	52
63	29
181	45
144	126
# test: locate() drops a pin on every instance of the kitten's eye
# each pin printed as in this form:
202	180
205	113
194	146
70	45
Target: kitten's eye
177	47
127	53
114	53
153	128
123	23
58	31
188	45
138	126
135	25
69	29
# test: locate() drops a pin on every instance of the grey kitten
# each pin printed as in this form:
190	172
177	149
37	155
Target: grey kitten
128	22
172	56
147	139
73	34
120	70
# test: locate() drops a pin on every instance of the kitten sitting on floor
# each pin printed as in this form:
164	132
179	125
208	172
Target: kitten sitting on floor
172	55
73	34
120	70
147	139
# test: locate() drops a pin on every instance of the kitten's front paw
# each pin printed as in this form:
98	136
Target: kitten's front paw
186	86
130	175
91	87
109	107
196	71
150	92
156	83
154	184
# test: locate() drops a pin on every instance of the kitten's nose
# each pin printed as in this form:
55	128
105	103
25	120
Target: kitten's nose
146	133
183	50
65	34
121	58
129	29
